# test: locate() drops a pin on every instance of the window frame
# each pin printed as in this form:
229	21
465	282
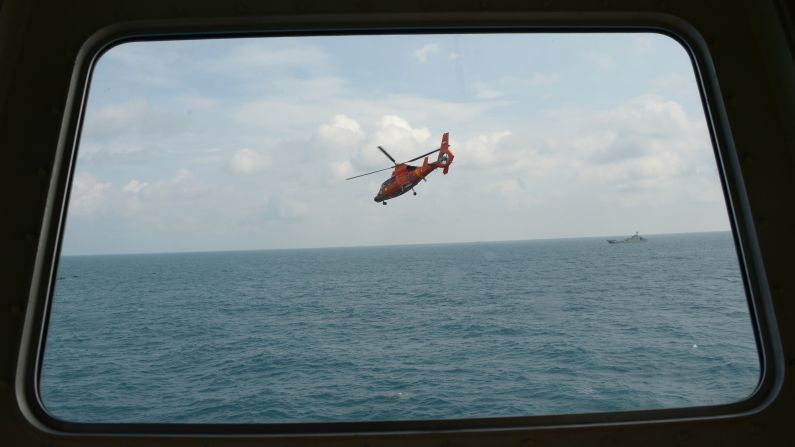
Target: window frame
742	224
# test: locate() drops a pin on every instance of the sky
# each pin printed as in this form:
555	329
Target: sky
245	144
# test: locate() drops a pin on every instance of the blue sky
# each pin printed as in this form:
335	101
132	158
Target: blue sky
245	143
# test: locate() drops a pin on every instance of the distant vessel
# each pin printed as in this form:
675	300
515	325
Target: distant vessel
634	238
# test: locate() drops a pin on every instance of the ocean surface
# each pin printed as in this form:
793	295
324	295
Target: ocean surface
400	333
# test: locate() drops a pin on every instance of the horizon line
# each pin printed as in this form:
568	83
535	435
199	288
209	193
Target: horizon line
329	247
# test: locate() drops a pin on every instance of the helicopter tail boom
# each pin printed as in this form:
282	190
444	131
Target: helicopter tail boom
445	156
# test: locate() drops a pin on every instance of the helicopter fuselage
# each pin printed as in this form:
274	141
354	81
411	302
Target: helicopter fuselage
403	179
405	176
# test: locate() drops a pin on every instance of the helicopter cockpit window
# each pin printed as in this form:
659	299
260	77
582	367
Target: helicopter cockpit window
566	248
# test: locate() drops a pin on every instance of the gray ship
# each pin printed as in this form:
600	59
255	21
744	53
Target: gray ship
630	239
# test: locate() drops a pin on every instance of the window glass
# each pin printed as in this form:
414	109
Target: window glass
558	241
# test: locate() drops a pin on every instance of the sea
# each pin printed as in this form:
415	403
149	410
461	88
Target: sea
412	332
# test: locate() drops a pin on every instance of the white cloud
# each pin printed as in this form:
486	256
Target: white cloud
182	176
247	161
88	194
399	138
393	128
295	117
481	149
138	130
484	91
177	203
134	186
343	131
647	143
427	50
342	169
111	120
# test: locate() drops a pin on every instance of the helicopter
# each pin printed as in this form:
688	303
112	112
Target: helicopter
405	177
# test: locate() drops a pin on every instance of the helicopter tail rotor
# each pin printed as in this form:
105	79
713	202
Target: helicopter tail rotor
445	156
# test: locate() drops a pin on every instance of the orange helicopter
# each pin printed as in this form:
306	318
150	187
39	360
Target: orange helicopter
405	177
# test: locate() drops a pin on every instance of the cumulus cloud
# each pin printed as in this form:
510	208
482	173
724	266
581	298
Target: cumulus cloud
247	161
399	138
427	50
643	126
484	91
647	143
109	121
182	176
139	130
134	186
154	204
392	128
482	149
342	169
343	131
349	147
132	126
178	202
88	194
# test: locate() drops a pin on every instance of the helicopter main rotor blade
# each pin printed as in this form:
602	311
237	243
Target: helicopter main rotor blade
393	161
362	175
423	155
387	154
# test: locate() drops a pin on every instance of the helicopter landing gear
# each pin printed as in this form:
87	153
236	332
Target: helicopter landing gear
384	202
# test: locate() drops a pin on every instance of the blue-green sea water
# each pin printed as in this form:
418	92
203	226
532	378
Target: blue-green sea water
400	333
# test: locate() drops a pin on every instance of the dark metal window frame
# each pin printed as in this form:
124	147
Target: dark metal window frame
48	253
